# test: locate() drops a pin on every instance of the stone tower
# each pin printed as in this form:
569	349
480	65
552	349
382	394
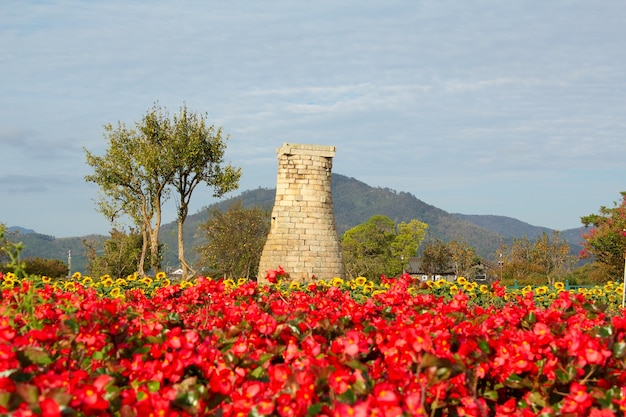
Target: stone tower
303	237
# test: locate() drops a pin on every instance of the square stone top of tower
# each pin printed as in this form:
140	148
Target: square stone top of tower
304	149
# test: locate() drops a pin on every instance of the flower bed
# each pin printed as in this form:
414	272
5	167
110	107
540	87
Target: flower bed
235	349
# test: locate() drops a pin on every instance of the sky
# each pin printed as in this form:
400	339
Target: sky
514	108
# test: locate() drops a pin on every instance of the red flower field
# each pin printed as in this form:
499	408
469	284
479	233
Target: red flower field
213	349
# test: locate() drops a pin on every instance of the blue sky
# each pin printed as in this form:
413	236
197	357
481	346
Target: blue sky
513	108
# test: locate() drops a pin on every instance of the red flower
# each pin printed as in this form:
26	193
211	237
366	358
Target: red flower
49	408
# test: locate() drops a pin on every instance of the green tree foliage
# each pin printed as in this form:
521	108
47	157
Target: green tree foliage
198	158
52	268
120	256
133	178
542	261
464	259
10	254
551	257
436	258
455	257
234	240
606	240
141	166
379	247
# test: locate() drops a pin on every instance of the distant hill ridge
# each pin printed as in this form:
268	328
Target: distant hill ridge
354	202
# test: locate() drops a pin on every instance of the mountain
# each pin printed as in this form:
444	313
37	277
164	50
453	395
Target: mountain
354	202
19	229
510	228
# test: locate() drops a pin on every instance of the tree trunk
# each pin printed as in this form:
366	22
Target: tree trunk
182	216
154	239
144	251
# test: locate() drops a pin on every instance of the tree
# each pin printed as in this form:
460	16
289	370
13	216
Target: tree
606	240
235	240
198	158
142	165
463	258
436	257
133	177
551	256
53	268
379	247
120	256
541	261
518	262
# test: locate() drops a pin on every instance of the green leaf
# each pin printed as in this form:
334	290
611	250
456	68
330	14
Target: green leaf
258	373
529	320
153	386
28	392
484	346
31	355
513	381
348	397
619	350
606	331
72	325
4	399
491	395
99	355
537	399
355	364
314	410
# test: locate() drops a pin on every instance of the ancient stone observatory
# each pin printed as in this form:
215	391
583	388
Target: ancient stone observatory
303	237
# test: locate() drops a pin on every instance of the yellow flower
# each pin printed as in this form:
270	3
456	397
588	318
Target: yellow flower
165	283
336	282
161	275
541	290
146	280
412	290
483	288
453	289
87	281
70	286
106	277
360	281
294	285
559	285
368	285
241	281
322	283
77	275
116	292
461	280
107	282
121	282
229	283
468	287
8	283
378	292
45	279
10	275
132	277
185	284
